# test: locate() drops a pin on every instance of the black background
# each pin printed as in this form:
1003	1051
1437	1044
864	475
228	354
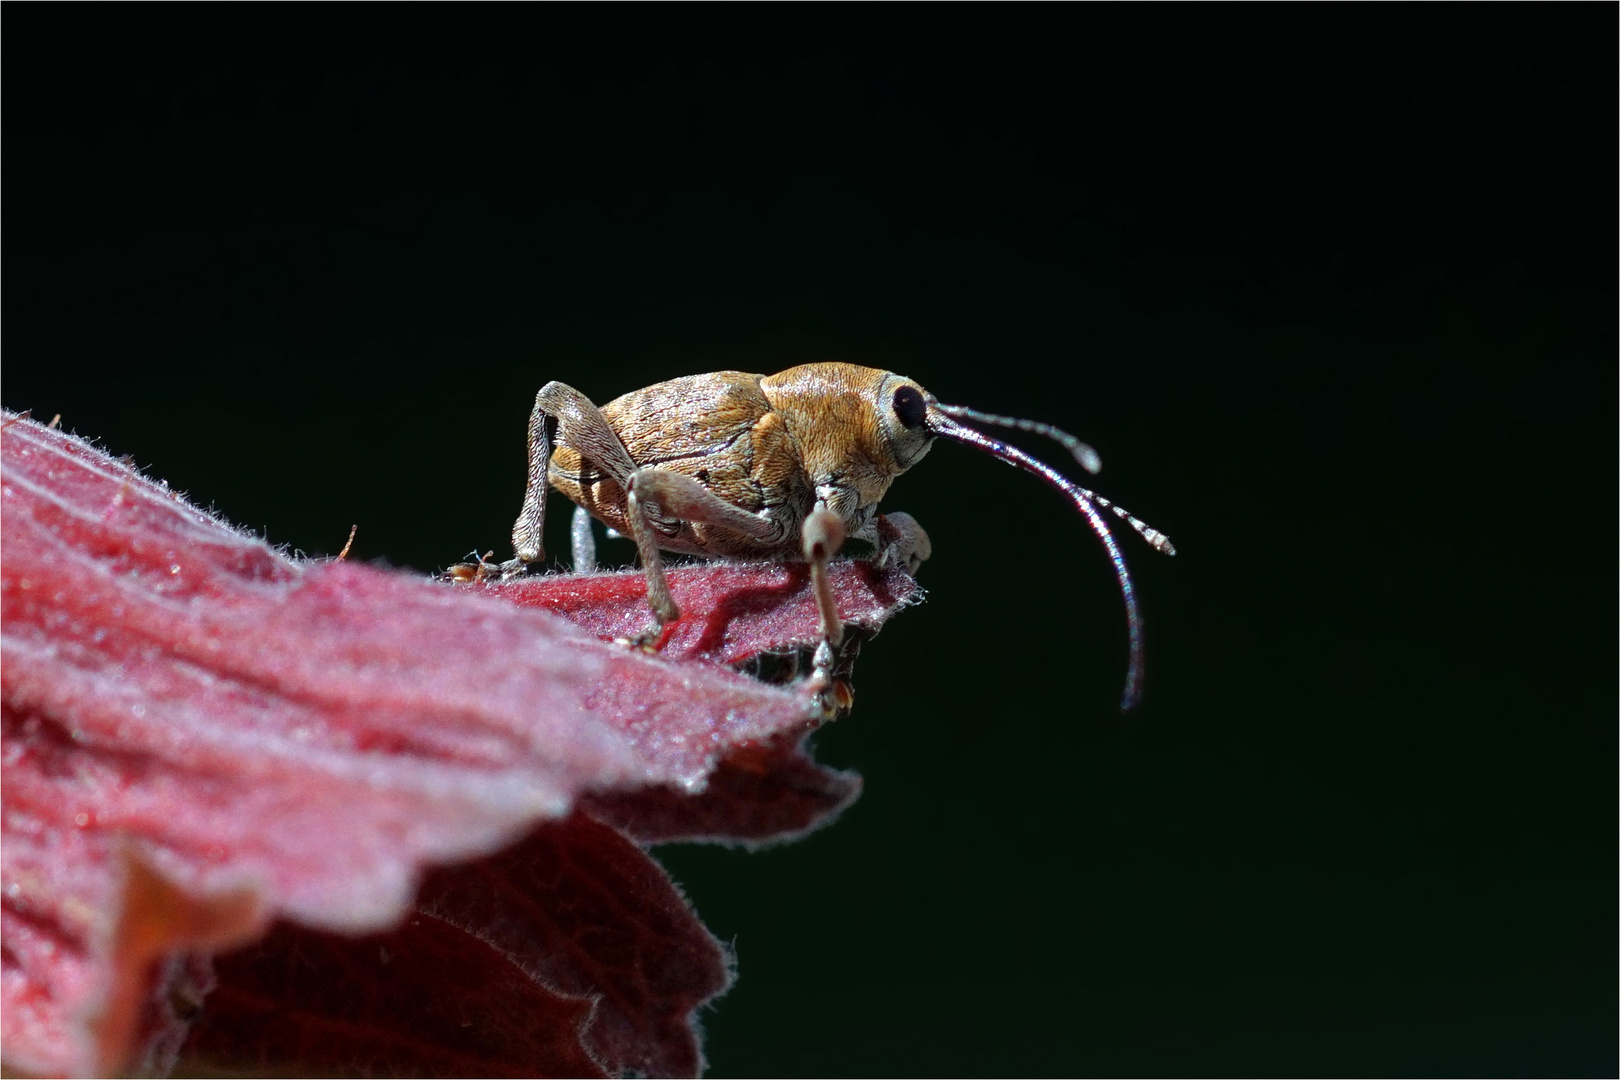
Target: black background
1331	290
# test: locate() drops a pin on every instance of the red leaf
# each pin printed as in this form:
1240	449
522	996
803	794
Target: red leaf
731	612
293	739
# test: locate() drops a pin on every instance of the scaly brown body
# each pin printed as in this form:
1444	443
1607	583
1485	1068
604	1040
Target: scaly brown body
768	445
732	464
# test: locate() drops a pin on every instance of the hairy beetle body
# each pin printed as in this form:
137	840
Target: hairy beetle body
719	429
736	465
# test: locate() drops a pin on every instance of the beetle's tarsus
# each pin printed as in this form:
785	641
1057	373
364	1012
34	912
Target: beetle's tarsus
822	685
901	541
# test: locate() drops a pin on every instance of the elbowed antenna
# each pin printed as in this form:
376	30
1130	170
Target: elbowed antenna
1088	458
940	423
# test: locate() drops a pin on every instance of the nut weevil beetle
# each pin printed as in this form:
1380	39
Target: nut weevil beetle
783	466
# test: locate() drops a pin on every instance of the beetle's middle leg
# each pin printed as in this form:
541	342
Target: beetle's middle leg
680	498
583	541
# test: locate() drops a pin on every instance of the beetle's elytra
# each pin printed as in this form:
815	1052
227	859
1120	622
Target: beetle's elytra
731	464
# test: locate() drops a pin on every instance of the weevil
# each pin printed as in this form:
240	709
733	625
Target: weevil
784	466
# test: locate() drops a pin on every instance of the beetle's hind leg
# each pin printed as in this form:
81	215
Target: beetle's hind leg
528	532
579	424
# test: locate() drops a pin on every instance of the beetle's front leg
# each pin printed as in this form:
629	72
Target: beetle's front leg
901	541
684	499
823	535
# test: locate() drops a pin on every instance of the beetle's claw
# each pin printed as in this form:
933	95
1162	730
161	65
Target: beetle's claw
651	640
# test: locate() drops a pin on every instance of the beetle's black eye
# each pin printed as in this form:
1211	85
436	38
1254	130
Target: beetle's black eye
910	407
